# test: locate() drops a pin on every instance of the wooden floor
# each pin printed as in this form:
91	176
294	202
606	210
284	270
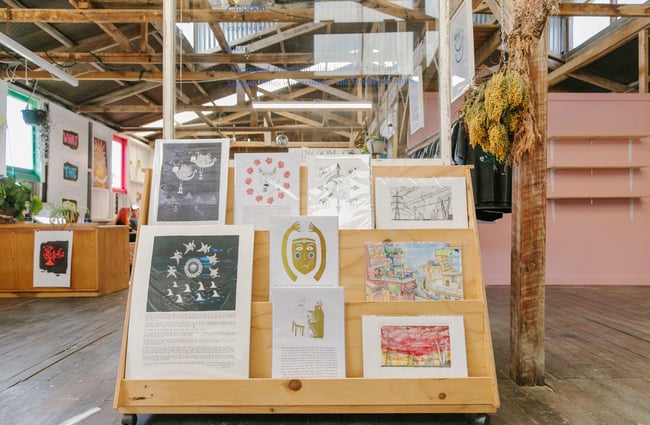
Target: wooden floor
59	360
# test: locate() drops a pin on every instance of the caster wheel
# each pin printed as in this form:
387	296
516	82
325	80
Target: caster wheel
129	419
478	419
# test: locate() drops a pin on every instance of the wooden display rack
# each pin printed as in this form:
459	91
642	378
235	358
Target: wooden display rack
476	395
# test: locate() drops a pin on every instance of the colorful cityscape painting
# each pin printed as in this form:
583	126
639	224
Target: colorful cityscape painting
413	271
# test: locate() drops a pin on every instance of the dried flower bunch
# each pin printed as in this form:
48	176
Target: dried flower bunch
493	111
499	113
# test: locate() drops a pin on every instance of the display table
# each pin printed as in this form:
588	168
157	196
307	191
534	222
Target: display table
100	260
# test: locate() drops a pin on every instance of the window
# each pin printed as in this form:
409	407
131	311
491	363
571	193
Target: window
22	147
118	164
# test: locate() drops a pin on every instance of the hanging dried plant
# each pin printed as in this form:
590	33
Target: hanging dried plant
499	113
493	112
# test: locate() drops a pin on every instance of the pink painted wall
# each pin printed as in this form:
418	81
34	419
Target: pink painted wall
589	241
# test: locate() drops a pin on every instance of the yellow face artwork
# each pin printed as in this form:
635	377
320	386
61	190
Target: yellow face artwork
303	254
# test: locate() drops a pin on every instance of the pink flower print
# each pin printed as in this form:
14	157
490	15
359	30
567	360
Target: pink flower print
270	200
257	162
249	170
248	180
281	164
250	191
259	198
269	160
286	185
287	174
281	195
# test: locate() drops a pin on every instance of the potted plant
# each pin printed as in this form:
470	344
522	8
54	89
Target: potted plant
64	213
16	199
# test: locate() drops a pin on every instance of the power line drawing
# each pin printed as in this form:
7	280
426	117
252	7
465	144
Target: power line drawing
422	203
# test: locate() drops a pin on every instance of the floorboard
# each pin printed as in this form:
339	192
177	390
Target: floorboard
59	359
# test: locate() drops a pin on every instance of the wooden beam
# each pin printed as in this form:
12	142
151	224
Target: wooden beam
271	14
590	9
643	61
528	251
597	81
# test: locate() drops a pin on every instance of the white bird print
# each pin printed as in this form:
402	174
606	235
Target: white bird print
204	248
191	246
184	173
212	284
199	298
187	288
202	160
171	271
169	292
212	259
175	285
177	256
215	272
201	287
179	299
216	294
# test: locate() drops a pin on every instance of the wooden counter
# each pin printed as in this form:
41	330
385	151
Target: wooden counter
100	260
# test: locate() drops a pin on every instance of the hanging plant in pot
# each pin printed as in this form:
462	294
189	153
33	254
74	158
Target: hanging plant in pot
34	116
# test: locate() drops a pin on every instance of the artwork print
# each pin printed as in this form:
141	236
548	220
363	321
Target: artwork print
409	203
265	185
190	181
52	258
339	185
100	164
190	310
308	332
413	271
414	346
304	251
193	273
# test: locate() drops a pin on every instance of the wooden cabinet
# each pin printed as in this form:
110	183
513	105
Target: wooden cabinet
260	393
100	260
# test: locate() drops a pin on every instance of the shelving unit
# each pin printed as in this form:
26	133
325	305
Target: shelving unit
607	168
475	394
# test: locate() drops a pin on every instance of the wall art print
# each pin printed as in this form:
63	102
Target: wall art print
190	181
308	332
413	271
100	164
304	251
340	185
420	203
52	258
266	185
414	347
190	302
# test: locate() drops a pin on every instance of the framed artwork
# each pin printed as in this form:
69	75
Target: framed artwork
419	203
52	258
414	347
196	278
413	271
100	164
462	49
189	182
304	251
340	185
266	185
308	323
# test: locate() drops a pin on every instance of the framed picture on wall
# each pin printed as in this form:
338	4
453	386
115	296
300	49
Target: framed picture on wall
189	182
